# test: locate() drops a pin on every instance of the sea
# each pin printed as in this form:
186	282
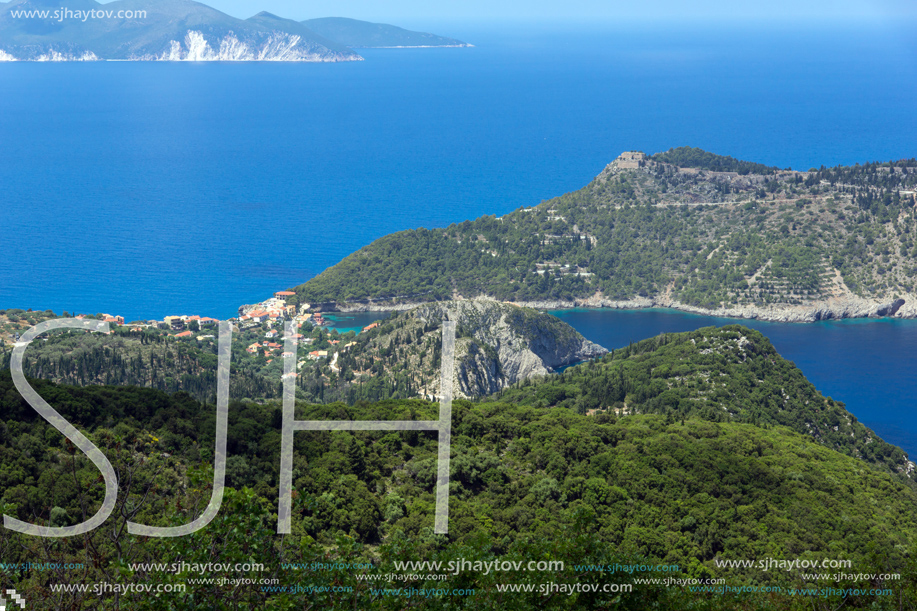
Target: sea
154	189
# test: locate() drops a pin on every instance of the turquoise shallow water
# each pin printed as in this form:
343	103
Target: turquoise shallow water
353	321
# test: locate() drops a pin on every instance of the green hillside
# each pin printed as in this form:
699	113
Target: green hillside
361	34
640	489
726	374
682	227
399	358
731	456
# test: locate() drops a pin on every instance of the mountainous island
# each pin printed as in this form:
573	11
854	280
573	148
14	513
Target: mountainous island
685	229
183	30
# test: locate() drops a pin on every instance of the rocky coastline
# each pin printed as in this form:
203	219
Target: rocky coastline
848	306
497	344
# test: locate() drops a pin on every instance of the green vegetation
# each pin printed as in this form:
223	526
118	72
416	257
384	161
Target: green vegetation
674	234
155	358
150	357
497	344
527	483
683	449
689	157
399	359
726	374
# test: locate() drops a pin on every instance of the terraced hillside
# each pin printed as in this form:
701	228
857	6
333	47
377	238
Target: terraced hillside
684	228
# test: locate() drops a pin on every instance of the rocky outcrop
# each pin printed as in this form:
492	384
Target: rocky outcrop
497	344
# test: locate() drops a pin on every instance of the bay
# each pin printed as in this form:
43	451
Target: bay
149	189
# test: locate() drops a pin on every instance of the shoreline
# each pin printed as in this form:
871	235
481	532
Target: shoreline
904	307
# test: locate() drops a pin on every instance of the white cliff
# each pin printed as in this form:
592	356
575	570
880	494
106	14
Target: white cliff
279	46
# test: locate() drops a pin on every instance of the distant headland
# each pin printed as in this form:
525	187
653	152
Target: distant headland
183	30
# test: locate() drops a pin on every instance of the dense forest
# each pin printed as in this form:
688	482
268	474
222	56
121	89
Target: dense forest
725	374
684	226
691	157
685	450
641	488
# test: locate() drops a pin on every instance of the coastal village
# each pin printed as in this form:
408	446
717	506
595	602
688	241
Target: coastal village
261	326
258	338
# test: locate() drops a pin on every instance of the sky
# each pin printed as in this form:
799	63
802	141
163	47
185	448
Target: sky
413	12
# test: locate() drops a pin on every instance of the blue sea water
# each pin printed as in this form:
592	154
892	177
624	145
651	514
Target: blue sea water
352	321
149	189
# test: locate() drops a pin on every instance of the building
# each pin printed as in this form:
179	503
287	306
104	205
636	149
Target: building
258	316
631	160
183	334
176	323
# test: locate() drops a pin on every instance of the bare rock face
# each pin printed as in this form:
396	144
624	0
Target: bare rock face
498	344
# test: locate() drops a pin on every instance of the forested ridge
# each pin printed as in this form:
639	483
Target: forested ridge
686	225
642	488
683	449
724	374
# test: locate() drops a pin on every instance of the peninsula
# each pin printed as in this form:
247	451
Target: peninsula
684	229
184	30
